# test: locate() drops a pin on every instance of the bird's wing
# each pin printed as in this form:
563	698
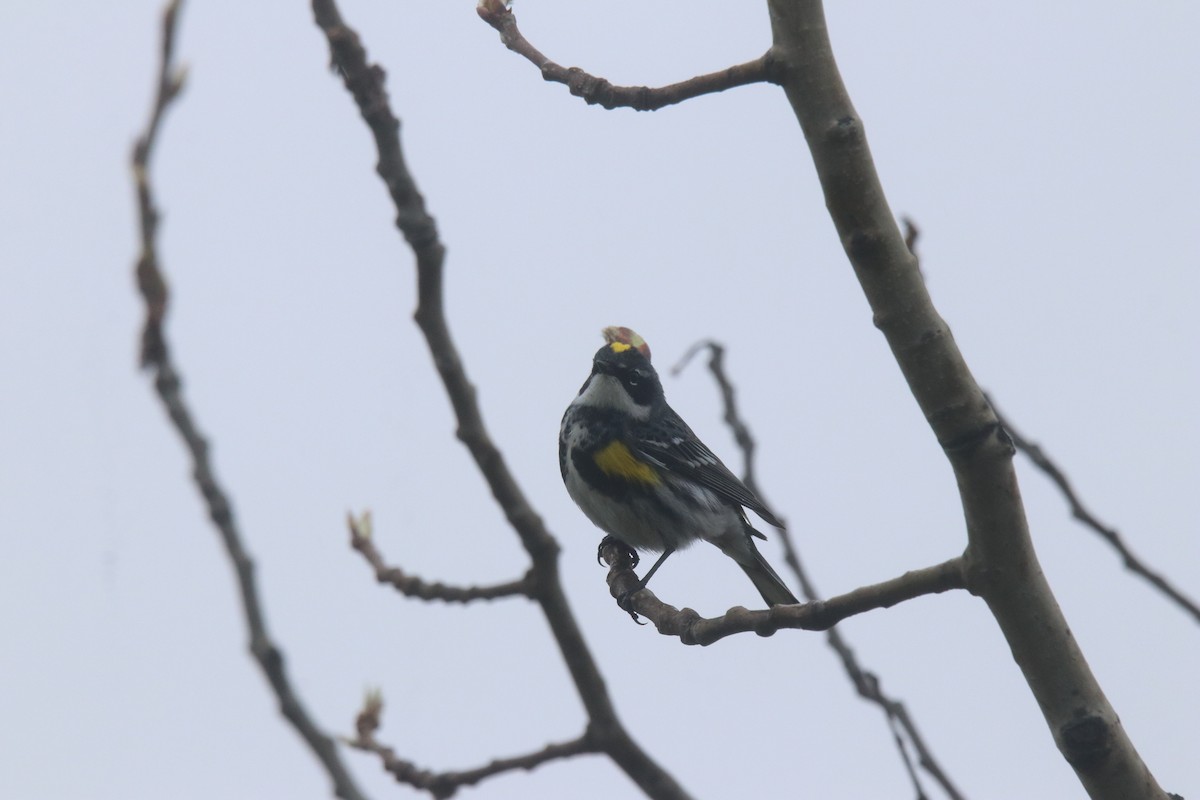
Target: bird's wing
674	447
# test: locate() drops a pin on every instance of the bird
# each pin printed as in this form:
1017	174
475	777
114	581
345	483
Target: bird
640	474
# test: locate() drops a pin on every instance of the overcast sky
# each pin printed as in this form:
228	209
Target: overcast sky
1048	152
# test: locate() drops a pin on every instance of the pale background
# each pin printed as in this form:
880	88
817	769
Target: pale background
1048	153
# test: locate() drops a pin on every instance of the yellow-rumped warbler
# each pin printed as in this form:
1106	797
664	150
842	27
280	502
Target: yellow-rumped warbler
641	475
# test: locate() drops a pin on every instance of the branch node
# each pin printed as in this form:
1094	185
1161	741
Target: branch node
1081	513
1086	740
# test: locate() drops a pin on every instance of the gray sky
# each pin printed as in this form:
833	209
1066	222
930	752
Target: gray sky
1048	153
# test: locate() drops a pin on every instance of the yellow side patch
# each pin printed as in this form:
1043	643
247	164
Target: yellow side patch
619	347
616	459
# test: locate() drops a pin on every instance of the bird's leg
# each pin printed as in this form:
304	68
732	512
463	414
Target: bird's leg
624	598
646	579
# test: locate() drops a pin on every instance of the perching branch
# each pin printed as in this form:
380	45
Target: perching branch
412	586
1002	566
605	730
1081	513
817	615
598	91
866	683
446	784
156	356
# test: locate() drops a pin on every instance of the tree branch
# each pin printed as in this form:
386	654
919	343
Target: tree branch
446	784
1002	566
365	83
156	356
598	91
1080	512
816	615
412	586
866	683
741	433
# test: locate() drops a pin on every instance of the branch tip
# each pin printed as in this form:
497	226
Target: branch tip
595	90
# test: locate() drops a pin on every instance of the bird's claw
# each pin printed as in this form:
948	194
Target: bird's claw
634	558
624	603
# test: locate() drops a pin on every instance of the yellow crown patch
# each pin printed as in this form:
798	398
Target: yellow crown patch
627	338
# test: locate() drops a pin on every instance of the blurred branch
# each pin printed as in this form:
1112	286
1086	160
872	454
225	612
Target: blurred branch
365	82
1001	563
1081	513
866	683
412	586
150	281
598	91
156	356
741	433
816	615
446	784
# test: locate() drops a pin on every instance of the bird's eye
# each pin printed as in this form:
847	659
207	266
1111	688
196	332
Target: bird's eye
633	379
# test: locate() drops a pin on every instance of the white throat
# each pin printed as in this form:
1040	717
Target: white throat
605	391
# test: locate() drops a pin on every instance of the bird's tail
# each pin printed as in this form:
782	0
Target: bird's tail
769	585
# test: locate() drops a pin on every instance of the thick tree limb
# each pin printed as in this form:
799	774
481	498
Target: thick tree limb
1002	564
817	615
446	784
1078	510
597	91
866	683
412	586
157	356
365	82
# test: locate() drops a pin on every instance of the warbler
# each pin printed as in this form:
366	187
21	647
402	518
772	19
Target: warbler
642	476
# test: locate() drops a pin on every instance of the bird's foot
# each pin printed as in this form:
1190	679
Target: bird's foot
634	558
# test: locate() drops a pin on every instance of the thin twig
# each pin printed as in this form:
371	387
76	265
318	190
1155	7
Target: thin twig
365	81
815	615
866	683
446	784
741	434
911	234
1080	512
156	356
411	586
598	91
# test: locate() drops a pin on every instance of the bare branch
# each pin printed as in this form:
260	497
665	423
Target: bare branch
365	82
151	284
741	434
1002	566
412	586
156	355
1081	513
598	91
816	615
446	784
866	683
